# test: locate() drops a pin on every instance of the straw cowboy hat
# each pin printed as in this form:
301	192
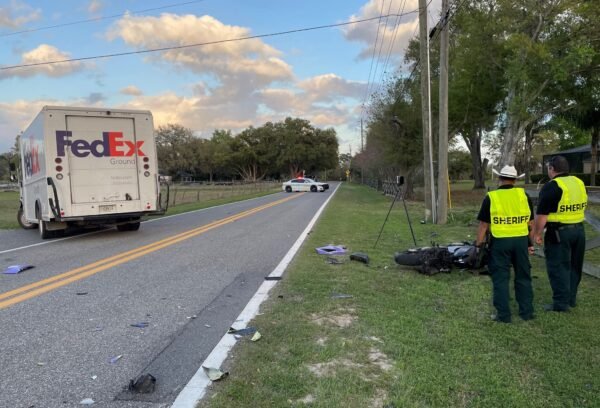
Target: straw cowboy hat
508	172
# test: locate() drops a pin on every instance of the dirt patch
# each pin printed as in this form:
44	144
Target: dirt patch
342	320
321	341
329	369
378	400
379	359
309	399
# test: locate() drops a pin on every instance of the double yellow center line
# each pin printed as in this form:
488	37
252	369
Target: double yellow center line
34	289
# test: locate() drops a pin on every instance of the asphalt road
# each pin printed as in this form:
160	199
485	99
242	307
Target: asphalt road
187	276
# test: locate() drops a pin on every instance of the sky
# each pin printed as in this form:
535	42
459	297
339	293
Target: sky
322	75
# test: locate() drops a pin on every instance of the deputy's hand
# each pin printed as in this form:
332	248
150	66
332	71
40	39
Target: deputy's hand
531	250
538	240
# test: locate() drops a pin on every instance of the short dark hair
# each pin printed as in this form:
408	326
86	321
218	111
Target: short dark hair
559	164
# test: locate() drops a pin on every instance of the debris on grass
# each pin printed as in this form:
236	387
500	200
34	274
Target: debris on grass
214	374
14	269
242	332
257	336
331	250
144	384
341	296
333	261
360	257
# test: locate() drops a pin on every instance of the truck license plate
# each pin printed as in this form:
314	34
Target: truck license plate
107	208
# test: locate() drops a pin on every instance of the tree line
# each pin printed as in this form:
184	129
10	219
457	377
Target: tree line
524	80
272	151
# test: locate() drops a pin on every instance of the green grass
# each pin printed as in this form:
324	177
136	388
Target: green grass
434	332
9	205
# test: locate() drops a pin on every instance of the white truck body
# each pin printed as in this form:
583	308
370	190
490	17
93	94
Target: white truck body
88	166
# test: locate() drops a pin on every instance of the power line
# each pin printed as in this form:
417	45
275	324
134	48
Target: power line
251	37
381	46
92	20
373	56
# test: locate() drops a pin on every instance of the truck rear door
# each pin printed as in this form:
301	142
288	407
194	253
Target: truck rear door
103	167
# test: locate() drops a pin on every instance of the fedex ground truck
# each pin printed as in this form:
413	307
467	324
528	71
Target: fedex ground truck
88	166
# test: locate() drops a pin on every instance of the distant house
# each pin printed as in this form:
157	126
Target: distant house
579	158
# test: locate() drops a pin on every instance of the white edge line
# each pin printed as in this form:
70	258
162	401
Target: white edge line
195	389
104	230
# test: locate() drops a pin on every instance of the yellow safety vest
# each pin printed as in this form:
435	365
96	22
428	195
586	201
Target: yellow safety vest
509	212
573	202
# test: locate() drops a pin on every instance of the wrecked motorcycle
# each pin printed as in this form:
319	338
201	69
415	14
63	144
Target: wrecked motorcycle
436	259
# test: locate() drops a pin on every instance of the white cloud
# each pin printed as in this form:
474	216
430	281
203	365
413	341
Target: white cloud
392	30
18	13
241	65
43	53
131	90
330	86
95	6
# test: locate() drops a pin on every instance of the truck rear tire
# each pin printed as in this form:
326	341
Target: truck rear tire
23	222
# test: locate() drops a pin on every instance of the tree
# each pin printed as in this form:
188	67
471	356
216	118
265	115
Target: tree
394	142
476	78
303	147
173	145
547	46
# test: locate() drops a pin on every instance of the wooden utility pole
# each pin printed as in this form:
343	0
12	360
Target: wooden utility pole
362	159
442	214
428	185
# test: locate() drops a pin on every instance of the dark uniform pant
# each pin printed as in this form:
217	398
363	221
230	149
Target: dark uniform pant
505	252
564	248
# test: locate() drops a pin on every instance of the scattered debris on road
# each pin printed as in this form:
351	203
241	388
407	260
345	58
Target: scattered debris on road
140	325
87	401
81	293
115	359
272	277
144	384
14	269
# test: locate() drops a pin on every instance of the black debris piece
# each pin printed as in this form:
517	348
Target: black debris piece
360	257
242	332
141	325
144	384
273	278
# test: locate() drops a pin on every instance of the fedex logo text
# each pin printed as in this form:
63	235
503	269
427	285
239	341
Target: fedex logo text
110	145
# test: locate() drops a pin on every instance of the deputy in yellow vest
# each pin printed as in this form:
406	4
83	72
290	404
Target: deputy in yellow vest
507	213
561	206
